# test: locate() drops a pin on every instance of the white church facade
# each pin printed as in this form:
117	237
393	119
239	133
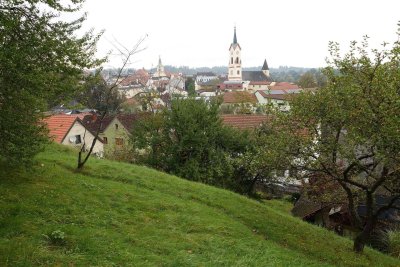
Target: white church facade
235	72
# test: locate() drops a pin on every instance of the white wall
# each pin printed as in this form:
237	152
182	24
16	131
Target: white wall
78	129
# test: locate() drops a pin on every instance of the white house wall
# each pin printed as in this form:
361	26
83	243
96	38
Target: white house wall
78	129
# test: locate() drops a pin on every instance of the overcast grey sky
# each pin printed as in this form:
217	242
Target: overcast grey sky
198	33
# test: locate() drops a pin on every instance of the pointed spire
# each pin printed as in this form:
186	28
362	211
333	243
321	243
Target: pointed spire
234	36
265	65
159	60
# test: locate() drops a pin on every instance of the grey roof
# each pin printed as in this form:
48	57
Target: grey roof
232	82
206	73
254	76
305	207
265	65
234	36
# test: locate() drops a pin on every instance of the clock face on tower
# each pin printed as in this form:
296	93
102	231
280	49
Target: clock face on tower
237	52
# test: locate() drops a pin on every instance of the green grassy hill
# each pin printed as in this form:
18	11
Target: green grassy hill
116	214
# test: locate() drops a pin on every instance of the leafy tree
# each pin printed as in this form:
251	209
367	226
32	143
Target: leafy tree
41	63
189	85
307	80
190	141
263	159
99	95
347	133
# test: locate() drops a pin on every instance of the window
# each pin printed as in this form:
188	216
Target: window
105	141
78	139
116	126
119	141
238	72
231	60
75	139
237	60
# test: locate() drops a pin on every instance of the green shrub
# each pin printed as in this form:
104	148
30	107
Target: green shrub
56	238
393	241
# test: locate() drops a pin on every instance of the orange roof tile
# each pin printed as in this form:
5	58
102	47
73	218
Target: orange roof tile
59	126
244	121
284	86
239	97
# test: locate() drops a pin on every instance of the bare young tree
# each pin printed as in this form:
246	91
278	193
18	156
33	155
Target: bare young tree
109	89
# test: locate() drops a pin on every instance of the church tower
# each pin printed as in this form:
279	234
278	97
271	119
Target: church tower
265	68
235	60
160	69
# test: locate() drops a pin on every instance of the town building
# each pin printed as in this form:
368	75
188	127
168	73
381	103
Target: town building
114	131
71	131
235	72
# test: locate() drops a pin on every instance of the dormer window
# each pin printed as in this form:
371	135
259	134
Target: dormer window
116	126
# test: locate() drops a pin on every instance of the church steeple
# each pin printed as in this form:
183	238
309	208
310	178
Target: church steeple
265	65
160	69
234	36
265	68
235	60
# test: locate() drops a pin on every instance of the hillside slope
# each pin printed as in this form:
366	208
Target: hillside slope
116	214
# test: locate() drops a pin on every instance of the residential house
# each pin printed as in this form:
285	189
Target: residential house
335	216
206	81
278	98
70	130
243	121
239	102
113	130
258	85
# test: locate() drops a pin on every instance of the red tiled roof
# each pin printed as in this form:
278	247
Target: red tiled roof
244	121
260	83
284	86
239	97
140	76
92	122
230	86
59	126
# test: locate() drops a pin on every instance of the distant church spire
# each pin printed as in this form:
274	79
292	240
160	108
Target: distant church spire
235	60
234	36
265	68
265	65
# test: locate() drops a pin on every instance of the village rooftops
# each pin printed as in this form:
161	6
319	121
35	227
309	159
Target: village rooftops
284	86
260	82
208	74
244	121
239	97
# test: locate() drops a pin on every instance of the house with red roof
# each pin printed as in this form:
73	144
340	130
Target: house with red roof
244	122
239	102
69	130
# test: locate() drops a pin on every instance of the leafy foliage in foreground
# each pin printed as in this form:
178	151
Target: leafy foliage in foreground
190	141
117	214
346	134
41	62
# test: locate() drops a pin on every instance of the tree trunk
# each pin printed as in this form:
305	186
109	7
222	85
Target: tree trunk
363	237
252	184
